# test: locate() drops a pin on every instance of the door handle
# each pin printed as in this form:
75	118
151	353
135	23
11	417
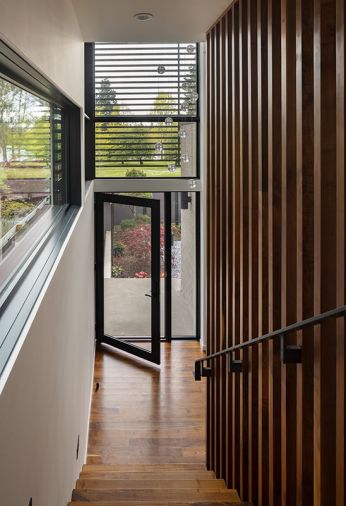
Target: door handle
148	295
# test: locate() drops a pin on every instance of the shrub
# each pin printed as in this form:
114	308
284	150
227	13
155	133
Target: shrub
176	231
136	260
118	249
11	209
128	223
135	173
141	274
117	271
143	218
135	222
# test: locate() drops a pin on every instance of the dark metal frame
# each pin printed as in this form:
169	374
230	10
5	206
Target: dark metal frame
168	337
91	119
122	344
16	70
89	122
20	296
198	265
168	266
290	354
168	308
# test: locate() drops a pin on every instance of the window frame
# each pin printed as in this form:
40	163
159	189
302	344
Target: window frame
91	119
24	283
16	70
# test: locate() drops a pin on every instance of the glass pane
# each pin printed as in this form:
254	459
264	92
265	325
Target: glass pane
183	264
151	90
127	273
160	197
145	149
31	146
145	79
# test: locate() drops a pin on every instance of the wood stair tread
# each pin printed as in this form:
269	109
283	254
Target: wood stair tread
146	449
90	483
133	484
154	494
159	503
144	467
164	475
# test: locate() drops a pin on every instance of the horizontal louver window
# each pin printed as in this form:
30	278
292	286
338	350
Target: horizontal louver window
146	110
145	149
145	79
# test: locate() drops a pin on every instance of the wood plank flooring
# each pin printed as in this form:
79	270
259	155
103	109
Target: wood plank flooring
147	441
143	414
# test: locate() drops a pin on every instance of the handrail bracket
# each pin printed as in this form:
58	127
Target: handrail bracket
201	371
290	353
234	365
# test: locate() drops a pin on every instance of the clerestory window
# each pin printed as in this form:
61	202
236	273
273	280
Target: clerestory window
146	107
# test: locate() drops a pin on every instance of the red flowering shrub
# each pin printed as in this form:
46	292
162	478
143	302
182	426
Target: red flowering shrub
141	274
135	258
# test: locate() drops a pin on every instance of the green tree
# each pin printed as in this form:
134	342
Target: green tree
10	98
22	130
35	141
164	105
3	182
106	103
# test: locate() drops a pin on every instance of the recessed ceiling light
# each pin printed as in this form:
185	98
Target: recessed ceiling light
143	16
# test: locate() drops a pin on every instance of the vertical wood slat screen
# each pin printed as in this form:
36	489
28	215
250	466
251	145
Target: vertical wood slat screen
276	247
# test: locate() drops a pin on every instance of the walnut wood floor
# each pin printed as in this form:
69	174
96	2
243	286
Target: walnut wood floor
143	414
147	435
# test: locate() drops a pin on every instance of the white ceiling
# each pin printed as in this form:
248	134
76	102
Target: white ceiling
174	20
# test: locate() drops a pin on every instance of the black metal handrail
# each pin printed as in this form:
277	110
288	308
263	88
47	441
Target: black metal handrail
289	353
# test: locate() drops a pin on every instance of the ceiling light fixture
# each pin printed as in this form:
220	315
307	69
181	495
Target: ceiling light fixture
143	16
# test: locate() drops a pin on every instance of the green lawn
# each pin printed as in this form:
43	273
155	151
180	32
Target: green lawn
121	172
100	172
27	173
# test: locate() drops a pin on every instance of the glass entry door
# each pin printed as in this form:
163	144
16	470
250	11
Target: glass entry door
128	252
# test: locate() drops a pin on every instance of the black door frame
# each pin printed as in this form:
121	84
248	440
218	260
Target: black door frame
168	268
101	337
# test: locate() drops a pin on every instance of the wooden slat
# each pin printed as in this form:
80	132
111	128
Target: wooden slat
340	252
229	266
263	467
222	189
274	240
236	239
244	245
208	251
277	246
211	337
305	266
289	243
328	249
216	277
317	252
253	251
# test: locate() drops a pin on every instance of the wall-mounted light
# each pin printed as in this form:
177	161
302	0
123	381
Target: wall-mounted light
143	16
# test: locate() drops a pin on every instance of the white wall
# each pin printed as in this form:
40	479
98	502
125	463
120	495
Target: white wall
45	402
45	391
46	33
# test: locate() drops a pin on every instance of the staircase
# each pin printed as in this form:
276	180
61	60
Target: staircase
147	435
151	484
